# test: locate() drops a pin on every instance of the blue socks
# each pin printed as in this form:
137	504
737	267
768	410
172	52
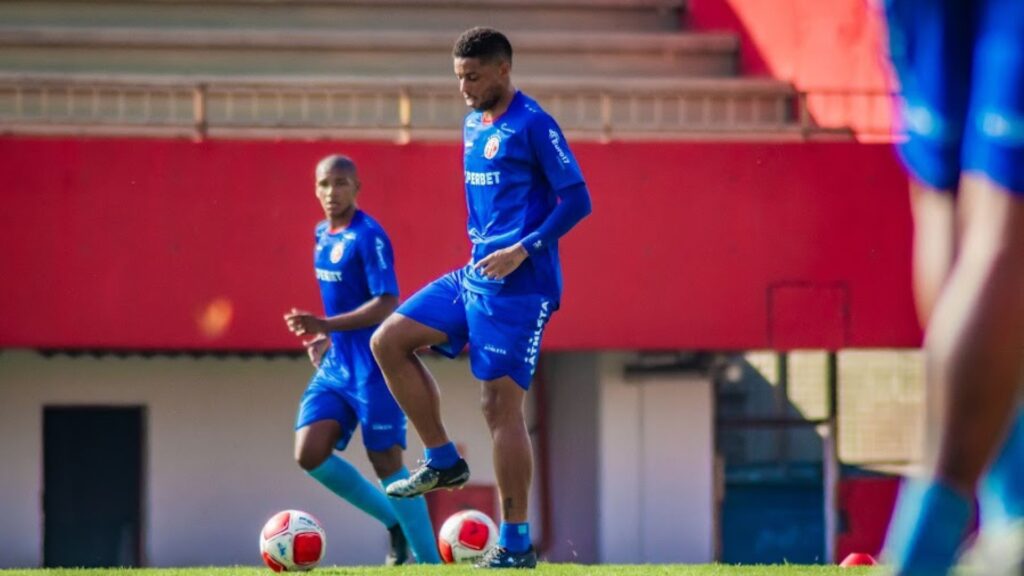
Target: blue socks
344	480
928	526
415	520
442	457
514	537
1001	490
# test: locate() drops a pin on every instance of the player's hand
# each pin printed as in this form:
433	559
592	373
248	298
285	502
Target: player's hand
501	263
302	323
316	348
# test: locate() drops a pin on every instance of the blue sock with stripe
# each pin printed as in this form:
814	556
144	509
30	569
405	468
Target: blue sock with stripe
345	480
514	537
415	520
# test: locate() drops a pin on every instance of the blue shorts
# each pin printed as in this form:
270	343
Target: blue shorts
961	70
503	331
331	396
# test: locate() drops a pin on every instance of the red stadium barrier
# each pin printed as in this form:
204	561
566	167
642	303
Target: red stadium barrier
169	244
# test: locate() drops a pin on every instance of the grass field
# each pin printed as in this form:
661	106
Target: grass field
543	569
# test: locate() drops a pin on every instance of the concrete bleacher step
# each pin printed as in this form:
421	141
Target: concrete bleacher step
398	108
596	15
371	53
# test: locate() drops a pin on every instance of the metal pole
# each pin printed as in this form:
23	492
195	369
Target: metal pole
782	409
830	461
199	111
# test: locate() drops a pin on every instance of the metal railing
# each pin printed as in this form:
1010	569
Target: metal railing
404	109
866	113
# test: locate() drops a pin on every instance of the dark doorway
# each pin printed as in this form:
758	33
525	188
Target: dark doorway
92	475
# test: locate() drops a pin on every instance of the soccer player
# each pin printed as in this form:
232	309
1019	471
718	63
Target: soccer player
961	67
524	190
355	269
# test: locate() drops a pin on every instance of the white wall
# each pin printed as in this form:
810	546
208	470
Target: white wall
656	441
218	456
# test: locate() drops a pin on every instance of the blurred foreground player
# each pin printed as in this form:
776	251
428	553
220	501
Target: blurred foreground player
961	69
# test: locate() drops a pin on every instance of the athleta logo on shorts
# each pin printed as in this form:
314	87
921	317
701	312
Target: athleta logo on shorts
491	149
534	349
494	349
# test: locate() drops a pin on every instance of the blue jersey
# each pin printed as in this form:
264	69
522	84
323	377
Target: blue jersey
514	168
353	265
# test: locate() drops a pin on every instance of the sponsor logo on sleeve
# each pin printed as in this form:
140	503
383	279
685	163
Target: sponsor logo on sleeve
556	140
382	262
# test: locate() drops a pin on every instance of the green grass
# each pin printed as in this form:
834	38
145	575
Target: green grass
543	569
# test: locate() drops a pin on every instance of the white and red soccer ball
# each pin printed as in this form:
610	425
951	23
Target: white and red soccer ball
292	541
466	536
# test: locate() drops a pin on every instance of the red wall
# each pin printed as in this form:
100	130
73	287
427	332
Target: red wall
866	506
835	50
172	244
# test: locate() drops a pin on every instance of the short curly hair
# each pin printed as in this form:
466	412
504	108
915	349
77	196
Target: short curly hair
486	44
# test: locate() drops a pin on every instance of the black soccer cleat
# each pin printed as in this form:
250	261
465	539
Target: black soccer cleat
499	557
426	479
399	553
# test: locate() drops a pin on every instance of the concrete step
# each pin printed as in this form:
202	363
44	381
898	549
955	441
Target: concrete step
353	52
449	15
389	108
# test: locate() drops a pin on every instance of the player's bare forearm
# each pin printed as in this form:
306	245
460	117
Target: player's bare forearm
370	313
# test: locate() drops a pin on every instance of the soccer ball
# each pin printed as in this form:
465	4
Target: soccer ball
466	536
292	541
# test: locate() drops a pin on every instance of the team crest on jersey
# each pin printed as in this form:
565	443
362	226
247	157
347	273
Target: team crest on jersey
336	252
491	148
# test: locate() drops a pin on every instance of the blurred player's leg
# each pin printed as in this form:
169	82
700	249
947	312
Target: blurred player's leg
931	47
1001	493
987	428
935	236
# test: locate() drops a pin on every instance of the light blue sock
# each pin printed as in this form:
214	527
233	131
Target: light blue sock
514	537
927	528
442	457
1001	493
344	480
415	520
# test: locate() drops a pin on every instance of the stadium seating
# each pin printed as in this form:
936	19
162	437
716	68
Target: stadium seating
608	69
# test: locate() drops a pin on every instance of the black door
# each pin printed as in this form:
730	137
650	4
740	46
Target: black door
92	474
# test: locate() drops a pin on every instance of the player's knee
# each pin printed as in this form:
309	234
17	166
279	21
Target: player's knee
386	463
381	341
310	458
498	411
